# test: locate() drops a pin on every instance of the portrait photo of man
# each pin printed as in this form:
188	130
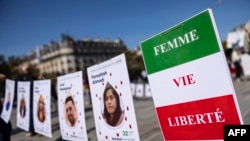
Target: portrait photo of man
70	111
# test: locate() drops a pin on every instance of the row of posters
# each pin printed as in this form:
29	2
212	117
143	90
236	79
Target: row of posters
111	96
41	104
189	81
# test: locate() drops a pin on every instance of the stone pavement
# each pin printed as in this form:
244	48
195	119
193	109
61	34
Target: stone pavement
148	126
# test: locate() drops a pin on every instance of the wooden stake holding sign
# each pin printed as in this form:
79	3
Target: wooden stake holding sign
190	82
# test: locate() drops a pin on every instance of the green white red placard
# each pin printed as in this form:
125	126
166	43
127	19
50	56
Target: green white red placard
190	81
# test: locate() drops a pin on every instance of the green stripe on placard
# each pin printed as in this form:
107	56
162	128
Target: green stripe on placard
192	39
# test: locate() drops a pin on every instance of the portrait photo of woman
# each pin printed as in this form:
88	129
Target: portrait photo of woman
41	113
112	113
22	109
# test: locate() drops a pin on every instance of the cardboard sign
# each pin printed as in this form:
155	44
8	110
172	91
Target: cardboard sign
190	82
71	107
8	100
112	100
42	110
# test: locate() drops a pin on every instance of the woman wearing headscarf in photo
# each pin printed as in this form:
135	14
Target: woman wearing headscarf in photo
113	113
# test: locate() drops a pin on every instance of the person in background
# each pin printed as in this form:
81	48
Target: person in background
2	86
52	89
236	59
87	90
17	78
41	77
5	128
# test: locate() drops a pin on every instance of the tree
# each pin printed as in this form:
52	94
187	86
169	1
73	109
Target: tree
13	63
4	68
135	64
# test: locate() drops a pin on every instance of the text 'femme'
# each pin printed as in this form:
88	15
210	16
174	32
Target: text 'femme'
176	42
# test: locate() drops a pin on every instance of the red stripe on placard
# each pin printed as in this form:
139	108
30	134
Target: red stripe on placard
198	120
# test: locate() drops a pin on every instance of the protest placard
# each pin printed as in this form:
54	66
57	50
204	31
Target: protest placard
71	106
23	104
190	81
42	107
8	100
112	100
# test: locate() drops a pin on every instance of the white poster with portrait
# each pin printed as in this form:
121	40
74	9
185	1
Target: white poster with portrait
23	104
71	107
112	100
42	110
8	100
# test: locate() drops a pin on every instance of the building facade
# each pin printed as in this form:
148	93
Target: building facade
71	55
240	37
